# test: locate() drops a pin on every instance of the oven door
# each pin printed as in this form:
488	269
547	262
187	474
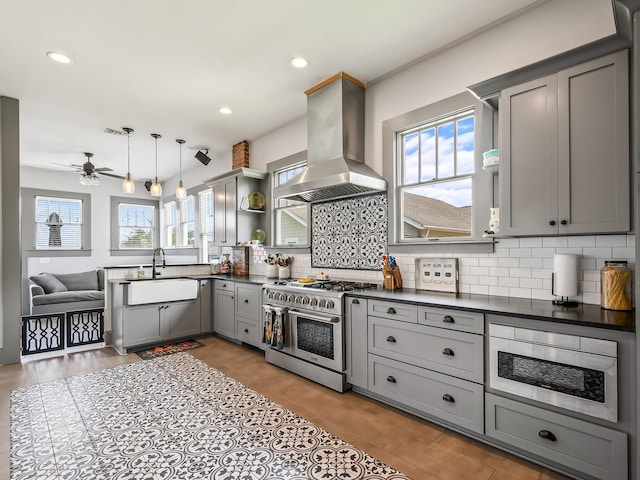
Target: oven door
575	380
317	338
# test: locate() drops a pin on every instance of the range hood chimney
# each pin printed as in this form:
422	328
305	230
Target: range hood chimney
335	153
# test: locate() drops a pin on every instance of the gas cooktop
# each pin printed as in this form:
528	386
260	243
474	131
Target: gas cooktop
330	285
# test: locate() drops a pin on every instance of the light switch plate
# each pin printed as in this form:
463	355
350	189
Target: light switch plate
437	274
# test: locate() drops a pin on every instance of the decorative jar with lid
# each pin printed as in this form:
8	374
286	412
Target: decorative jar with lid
615	285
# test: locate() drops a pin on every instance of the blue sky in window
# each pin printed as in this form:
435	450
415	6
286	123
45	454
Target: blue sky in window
454	193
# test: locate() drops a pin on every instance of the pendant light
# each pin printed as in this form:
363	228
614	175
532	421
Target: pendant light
156	188
181	192
128	185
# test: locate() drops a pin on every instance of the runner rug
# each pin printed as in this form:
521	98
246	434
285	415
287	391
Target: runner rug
173	417
168	349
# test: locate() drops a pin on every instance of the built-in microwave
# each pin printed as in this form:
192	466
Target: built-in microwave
569	371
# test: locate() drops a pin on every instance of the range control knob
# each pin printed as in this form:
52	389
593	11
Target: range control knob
305	300
322	303
282	297
298	299
290	298
313	302
269	294
330	304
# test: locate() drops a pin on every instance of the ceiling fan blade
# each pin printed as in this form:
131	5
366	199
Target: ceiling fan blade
112	175
103	169
75	167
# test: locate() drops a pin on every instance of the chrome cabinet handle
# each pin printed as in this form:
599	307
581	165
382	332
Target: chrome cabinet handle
246	300
391	379
547	435
448	398
246	330
448	319
391	339
448	351
355	301
391	310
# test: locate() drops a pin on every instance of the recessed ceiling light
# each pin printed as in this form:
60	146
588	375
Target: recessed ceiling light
59	57
298	62
225	110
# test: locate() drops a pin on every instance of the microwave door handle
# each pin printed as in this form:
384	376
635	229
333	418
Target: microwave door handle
315	317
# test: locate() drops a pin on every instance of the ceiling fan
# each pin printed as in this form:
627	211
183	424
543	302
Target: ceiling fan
88	171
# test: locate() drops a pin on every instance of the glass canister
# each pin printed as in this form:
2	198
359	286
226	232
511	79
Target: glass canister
615	285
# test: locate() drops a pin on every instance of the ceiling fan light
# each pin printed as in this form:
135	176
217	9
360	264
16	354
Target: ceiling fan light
156	188
85	180
128	185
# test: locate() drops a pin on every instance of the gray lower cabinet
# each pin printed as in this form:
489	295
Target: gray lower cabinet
445	397
248	313
564	151
224	308
356	341
596	451
205	298
156	322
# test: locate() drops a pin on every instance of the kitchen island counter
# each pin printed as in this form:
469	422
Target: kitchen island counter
584	314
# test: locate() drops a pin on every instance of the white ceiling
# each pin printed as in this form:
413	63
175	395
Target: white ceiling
166	66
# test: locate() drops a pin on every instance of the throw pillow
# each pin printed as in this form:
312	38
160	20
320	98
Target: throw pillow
48	282
79	281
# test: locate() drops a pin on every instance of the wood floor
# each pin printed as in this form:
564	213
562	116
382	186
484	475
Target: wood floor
417	448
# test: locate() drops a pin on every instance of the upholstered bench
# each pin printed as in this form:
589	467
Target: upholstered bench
64	292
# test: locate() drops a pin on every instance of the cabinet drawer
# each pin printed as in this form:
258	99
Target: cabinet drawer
248	332
224	285
248	301
455	353
582	446
450	399
452	319
395	311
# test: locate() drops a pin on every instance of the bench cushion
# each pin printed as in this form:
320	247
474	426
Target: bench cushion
79	281
67	297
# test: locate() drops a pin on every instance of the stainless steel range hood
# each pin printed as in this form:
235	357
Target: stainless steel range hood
335	153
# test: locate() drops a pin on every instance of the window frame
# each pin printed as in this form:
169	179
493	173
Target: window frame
273	168
484	185
115	226
28	196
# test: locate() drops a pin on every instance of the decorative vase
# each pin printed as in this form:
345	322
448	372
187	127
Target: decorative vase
272	270
284	272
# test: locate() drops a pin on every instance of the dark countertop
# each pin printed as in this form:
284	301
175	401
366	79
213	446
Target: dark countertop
584	314
146	265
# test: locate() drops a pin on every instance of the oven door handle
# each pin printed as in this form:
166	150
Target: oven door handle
315	317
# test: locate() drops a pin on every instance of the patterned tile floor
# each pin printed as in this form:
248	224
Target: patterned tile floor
173	417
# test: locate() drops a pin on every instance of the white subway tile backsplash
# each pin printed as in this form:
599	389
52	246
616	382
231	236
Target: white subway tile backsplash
611	241
582	241
519	267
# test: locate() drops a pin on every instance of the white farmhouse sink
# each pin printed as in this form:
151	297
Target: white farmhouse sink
165	290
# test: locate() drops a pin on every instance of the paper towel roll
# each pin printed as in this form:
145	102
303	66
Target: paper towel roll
565	274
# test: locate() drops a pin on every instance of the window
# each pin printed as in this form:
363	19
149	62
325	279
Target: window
433	157
291	222
169	225
134	225
58	223
187	222
207	249
436	160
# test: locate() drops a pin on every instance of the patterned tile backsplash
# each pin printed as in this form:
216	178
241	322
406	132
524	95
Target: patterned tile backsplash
519	267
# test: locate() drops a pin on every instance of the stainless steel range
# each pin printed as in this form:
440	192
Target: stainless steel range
304	327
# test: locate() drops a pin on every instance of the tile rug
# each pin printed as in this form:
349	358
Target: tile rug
173	417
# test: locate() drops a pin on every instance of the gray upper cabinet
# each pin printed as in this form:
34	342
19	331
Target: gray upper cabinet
233	221
564	148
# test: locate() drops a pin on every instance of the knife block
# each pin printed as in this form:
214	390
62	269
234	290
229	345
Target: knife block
392	278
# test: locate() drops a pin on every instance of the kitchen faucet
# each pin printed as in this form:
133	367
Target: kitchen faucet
153	262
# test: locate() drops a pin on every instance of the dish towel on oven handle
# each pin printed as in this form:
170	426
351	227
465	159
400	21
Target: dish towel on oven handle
267	327
277	333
